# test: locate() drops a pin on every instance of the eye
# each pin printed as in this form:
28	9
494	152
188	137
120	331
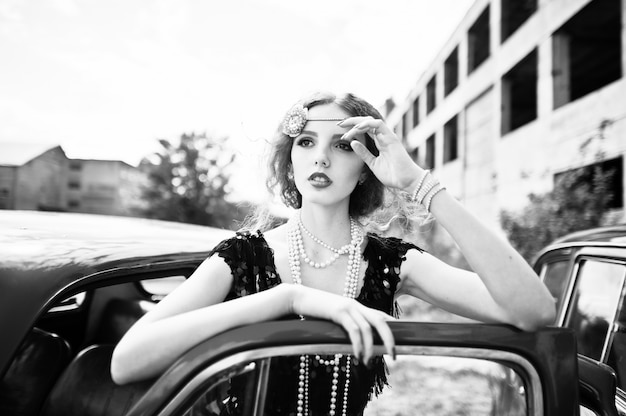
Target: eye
344	145
304	142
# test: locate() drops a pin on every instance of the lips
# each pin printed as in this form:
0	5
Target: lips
319	180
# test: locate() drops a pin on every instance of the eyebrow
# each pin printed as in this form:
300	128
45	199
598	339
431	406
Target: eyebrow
312	133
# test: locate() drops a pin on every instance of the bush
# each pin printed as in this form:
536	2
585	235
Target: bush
579	200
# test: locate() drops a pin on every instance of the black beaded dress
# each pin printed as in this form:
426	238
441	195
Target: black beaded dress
251	261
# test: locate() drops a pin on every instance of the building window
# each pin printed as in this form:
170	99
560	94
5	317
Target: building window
75	165
519	94
415	154
451	72
4	193
450	140
431	94
587	51
405	124
73	204
478	38
430	153
612	171
416	111
73	185
513	14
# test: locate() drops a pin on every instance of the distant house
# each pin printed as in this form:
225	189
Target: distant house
36	177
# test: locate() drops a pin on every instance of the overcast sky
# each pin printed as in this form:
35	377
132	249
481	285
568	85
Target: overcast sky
105	79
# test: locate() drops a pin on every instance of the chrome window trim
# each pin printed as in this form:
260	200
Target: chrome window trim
567	299
534	392
613	326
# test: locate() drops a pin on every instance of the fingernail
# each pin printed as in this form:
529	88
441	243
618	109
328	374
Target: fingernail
341	122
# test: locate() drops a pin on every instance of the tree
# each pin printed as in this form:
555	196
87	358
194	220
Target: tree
578	201
188	182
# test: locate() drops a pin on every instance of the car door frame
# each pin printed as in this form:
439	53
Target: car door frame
550	351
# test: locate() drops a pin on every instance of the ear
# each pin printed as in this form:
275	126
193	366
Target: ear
363	177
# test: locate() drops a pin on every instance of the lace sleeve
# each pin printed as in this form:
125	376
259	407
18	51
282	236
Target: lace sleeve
251	263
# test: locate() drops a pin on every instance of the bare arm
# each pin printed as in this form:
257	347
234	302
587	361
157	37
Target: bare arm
194	312
504	287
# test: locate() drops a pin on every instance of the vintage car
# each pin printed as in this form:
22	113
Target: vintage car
72	284
586	273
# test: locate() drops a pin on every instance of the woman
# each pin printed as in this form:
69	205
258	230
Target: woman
332	159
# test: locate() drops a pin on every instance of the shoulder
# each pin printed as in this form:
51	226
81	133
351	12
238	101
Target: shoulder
391	246
241	237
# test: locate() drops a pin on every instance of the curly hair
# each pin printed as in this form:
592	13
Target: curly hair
366	197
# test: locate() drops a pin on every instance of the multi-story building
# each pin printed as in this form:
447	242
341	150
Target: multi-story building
36	178
523	91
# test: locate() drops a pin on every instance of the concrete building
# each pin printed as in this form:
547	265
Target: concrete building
36	178
521	92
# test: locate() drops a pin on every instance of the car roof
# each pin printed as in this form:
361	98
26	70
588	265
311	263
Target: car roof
41	253
28	238
608	234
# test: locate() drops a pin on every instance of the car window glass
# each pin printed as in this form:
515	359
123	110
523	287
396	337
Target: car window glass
554	275
69	304
217	398
429	385
594	304
159	288
435	385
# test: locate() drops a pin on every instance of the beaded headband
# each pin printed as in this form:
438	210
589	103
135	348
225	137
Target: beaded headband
296	119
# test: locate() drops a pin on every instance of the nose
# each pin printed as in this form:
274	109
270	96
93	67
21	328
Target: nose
321	159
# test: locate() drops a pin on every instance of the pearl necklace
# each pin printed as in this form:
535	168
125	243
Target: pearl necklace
336	251
295	251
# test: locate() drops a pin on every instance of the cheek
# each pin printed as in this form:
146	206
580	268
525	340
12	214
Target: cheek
355	169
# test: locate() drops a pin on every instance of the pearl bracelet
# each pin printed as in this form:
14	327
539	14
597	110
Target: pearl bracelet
419	186
430	196
426	189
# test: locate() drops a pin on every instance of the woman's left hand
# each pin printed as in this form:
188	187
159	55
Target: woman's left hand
393	166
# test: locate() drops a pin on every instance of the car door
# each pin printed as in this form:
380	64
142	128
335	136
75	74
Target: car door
589	285
470	369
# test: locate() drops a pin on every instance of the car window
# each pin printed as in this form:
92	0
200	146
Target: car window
438	385
161	287
217	398
432	385
554	275
594	304
69	304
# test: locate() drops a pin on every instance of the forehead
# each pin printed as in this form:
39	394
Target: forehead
327	111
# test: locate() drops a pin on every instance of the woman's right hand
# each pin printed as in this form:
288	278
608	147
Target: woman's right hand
357	319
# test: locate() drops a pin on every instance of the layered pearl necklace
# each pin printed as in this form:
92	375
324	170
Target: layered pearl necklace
296	251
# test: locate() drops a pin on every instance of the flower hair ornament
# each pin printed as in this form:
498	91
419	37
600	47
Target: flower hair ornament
296	119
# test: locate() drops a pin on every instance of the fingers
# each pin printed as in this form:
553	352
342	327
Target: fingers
380	323
354	332
358	321
363	152
376	128
366	335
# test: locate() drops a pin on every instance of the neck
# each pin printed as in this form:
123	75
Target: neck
332	226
